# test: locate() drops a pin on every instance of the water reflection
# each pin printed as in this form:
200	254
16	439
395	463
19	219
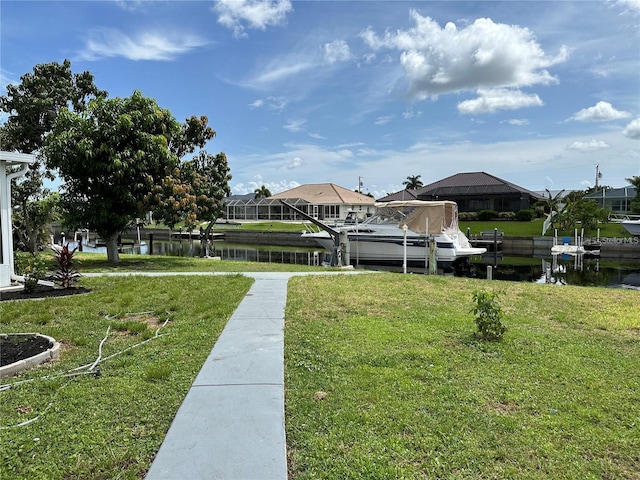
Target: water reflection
565	270
225	251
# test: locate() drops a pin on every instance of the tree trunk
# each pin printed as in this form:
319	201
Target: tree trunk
112	248
207	237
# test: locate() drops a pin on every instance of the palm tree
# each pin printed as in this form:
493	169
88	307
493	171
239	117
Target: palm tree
413	182
262	192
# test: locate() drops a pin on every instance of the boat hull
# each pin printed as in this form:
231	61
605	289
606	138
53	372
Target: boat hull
632	226
388	250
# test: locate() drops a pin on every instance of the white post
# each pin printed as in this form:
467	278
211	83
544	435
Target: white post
404	258
426	244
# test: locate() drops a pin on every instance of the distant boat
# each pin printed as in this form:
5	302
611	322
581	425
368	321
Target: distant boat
567	249
592	247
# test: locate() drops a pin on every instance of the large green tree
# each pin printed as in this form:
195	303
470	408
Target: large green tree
110	156
193	193
31	107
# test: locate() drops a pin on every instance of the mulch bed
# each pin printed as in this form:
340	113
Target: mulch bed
42	291
12	350
20	347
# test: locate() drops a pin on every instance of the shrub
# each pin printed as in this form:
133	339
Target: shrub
468	216
65	275
486	215
507	216
488	315
32	266
525	215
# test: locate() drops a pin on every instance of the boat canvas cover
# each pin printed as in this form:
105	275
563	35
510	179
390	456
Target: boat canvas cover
439	215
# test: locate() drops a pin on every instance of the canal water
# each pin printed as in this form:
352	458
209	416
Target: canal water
551	269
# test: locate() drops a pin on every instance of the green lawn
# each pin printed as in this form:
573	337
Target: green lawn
264	227
384	379
96	262
109	426
534	229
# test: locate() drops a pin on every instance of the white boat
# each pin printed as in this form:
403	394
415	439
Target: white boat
567	249
380	239
632	226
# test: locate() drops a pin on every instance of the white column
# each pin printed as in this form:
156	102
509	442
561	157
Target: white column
8	159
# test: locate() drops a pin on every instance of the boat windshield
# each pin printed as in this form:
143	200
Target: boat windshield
386	216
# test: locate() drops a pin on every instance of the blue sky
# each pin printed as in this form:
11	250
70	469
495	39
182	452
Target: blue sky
537	93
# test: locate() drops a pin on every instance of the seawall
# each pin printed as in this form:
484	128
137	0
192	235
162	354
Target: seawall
612	248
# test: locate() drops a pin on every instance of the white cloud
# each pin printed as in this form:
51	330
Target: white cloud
129	5
368	58
243	188
490	100
105	43
344	153
481	55
518	122
270	103
336	51
601	112
628	6
281	70
296	162
255	14
383	120
317	136
589	146
410	113
294	125
633	129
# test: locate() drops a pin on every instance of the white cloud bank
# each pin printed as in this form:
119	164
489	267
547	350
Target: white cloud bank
600	112
633	129
491	100
107	42
483	55
255	14
590	146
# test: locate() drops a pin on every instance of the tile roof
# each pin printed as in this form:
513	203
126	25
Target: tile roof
406	194
472	183
326	194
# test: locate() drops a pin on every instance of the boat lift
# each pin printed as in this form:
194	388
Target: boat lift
339	238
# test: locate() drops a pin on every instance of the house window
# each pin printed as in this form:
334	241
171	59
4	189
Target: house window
331	211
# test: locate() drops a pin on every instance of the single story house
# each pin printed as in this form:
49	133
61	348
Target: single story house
618	200
477	191
323	201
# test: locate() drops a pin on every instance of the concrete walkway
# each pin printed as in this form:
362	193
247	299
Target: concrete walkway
231	423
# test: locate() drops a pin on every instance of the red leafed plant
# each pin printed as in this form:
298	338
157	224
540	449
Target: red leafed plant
65	275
